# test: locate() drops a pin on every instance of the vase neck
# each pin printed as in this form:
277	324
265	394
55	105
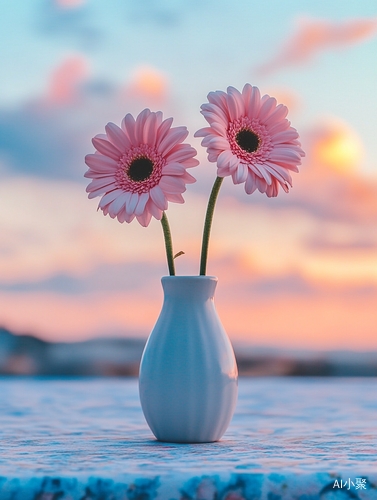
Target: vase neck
189	287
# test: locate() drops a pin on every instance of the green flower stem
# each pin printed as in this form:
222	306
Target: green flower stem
168	244
208	224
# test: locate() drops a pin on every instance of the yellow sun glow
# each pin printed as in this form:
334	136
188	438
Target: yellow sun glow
149	82
341	150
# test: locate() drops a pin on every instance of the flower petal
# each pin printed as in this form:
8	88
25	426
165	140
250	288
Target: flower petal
273	190
289	166
99	183
233	163
254	168
100	163
238	101
176	198
261	184
106	148
100	191
174	136
219	99
287	155
143	199
223	171
274	174
203	132
139	125
267	108
158	198
150	129
276	169
181	152
218	117
109	197
131	203
123	216
128	126
250	185
117	137
163	129
129	218
246	94
91	174
193	162
171	184
224	158
173	169
210	108
285	187
219	143
154	210
188	178
240	175
219	129
278	127
206	141
118	204
265	174
254	103
144	218
286	136
232	107
279	114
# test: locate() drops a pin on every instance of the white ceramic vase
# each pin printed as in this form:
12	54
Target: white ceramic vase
188	379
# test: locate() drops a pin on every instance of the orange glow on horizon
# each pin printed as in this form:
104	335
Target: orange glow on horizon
324	322
69	318
321	321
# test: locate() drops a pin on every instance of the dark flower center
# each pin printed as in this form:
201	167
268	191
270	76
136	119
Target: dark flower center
248	140
140	169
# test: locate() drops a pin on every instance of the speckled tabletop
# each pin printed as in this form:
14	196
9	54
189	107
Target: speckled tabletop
87	440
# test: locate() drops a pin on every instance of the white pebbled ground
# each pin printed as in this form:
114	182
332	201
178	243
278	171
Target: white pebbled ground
87	439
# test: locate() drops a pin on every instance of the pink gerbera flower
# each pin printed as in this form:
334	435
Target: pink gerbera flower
250	139
139	167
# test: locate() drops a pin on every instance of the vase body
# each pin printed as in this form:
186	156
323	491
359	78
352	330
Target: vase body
188	380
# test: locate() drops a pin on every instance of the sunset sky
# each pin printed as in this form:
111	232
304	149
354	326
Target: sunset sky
296	271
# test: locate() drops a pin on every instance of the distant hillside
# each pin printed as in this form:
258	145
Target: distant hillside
28	355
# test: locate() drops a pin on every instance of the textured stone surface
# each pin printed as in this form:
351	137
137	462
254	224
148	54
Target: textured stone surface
87	440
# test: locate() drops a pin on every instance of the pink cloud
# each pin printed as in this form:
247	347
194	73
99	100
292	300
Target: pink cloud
66	78
313	36
69	4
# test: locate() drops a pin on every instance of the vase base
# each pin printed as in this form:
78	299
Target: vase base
187	442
